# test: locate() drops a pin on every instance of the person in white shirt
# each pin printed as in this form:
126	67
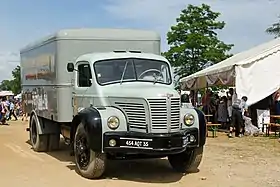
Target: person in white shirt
243	105
239	108
12	111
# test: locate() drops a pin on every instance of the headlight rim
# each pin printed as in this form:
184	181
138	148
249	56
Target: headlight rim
108	122
189	115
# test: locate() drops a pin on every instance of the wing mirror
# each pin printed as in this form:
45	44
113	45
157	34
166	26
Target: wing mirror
70	67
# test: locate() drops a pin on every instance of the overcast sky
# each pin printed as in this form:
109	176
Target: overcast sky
25	21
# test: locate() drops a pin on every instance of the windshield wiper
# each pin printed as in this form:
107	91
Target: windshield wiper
124	70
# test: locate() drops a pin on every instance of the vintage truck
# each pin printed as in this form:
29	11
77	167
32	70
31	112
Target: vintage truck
110	95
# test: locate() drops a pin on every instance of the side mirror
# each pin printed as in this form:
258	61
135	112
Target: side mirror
70	67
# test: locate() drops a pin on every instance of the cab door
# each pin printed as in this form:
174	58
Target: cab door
83	82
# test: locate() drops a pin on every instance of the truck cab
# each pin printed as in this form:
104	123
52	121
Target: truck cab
125	106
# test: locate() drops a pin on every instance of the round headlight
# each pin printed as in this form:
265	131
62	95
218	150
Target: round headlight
113	122
189	119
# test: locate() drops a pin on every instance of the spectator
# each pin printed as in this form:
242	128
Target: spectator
12	111
206	102
17	108
223	112
244	106
239	109
3	111
237	120
7	108
277	103
231	97
244	111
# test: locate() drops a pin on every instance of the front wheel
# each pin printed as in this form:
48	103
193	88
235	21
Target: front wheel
187	161
90	164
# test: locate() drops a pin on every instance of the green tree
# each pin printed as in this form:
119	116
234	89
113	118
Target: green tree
13	85
6	85
16	88
194	42
274	29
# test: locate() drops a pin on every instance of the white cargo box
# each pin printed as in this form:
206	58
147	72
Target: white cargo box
46	83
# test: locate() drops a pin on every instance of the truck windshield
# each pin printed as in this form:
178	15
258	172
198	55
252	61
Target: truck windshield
128	70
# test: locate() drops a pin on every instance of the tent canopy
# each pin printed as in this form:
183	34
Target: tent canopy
223	73
6	93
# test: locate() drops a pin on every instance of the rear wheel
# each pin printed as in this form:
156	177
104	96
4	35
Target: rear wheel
38	142
90	164
188	161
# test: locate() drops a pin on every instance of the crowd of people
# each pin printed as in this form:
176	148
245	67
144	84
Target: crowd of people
232	112
228	110
10	109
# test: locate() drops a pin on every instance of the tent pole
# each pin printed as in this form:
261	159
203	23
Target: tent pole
207	105
206	97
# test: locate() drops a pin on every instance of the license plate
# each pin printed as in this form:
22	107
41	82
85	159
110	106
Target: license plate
136	143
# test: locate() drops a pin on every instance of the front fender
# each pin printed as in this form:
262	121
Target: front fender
202	127
200	122
112	111
192	111
92	121
95	123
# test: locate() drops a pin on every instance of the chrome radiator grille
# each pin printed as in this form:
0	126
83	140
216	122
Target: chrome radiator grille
135	113
165	114
158	114
175	114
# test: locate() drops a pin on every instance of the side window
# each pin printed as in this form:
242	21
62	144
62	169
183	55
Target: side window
84	75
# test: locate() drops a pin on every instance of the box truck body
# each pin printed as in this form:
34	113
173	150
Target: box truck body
44	64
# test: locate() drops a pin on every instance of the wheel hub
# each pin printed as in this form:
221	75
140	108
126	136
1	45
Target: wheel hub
82	152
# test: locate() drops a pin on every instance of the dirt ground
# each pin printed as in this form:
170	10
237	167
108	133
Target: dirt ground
248	161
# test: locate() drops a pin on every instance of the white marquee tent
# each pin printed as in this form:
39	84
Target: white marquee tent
255	73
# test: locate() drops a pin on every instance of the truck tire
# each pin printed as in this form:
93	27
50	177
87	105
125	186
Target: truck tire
38	142
90	164
187	161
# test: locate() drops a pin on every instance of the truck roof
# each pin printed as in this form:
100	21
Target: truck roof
95	34
92	57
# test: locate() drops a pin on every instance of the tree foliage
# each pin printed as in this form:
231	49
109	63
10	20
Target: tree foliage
274	29
14	84
194	42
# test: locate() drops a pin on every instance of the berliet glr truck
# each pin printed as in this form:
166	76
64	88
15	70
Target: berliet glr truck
110	94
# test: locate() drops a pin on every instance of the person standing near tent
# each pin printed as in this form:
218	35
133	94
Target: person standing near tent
239	109
277	102
222	113
244	112
231	97
236	121
205	101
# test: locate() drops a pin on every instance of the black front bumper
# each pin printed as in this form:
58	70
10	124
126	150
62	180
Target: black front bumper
152	144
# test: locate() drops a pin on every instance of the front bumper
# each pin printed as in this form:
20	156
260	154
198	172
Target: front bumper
152	144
